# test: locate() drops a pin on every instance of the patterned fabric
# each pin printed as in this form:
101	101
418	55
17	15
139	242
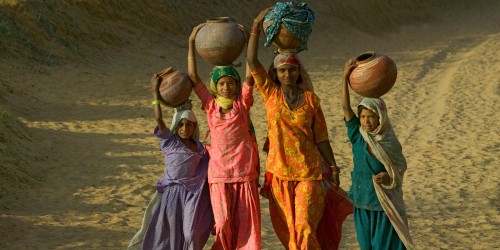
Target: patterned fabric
285	58
337	207
386	147
233	155
297	17
183	217
218	72
294	167
233	171
296	208
236	209
293	134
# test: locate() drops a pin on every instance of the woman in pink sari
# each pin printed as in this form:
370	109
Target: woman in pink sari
234	168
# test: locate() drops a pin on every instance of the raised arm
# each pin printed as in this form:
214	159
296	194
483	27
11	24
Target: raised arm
253	43
192	70
248	76
155	82
247	89
346	102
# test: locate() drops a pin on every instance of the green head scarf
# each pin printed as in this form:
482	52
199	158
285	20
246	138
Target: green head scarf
217	73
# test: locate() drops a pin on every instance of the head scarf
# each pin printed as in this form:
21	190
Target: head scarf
184	111
387	149
378	106
217	73
283	58
383	140
298	18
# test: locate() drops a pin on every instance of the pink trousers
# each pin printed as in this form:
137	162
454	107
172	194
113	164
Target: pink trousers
236	208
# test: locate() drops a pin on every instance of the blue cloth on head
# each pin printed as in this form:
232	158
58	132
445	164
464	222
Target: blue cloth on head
297	17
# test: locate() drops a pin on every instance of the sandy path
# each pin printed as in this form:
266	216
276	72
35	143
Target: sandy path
452	175
91	121
102	141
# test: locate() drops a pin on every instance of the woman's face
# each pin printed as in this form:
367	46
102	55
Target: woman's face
288	74
226	86
369	120
185	128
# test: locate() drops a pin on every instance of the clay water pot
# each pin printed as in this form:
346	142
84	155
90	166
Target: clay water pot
284	39
175	87
221	41
374	75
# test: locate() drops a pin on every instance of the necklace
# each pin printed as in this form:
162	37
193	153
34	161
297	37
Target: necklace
290	100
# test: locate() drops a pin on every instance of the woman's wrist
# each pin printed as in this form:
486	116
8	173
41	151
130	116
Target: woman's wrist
335	170
255	30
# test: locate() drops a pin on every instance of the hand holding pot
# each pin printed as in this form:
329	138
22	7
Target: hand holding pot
197	28
263	14
155	84
349	67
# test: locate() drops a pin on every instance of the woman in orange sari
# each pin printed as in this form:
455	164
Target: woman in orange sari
298	145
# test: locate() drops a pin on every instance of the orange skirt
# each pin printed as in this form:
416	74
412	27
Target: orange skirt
337	206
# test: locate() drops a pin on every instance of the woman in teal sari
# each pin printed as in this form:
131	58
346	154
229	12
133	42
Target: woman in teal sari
379	166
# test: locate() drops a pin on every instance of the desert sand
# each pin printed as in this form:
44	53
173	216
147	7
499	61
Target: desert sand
78	160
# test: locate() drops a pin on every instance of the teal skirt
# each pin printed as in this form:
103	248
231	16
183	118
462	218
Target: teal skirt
374	231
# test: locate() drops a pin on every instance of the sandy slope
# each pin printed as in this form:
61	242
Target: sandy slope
78	161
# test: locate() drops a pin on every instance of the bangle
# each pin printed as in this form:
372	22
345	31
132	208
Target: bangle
335	169
156	102
254	34
254	30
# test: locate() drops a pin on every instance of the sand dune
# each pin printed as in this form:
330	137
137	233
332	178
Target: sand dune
78	162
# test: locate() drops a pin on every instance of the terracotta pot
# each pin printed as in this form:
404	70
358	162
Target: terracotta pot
175	87
220	41
284	39
374	75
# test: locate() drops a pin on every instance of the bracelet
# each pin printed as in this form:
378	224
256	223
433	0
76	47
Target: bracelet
335	170
254	30
156	102
254	34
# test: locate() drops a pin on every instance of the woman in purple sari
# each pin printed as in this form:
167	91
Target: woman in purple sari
183	218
